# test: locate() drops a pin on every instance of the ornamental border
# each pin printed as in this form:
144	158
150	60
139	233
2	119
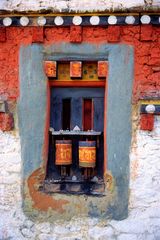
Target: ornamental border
77	20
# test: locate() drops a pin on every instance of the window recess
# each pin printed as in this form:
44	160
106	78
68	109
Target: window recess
76	141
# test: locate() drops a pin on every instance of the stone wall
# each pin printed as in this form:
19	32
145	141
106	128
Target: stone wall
144	38
78	6
144	215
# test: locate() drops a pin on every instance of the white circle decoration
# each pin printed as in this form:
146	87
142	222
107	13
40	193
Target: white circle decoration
112	20
24	21
130	20
41	21
145	19
7	21
94	20
150	108
77	20
58	20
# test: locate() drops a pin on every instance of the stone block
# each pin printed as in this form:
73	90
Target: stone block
76	34
44	227
75	69
6	122
147	122
50	68
102	69
37	34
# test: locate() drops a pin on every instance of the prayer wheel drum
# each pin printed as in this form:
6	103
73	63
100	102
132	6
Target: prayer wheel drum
63	152
87	154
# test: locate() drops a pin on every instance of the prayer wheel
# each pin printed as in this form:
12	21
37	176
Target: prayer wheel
87	154
63	152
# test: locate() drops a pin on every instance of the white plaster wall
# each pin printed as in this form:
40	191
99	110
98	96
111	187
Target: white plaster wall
77	5
143	222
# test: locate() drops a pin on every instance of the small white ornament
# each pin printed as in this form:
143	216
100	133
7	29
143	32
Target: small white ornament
145	19
24	21
76	128
112	20
150	108
77	20
58	20
41	21
94	20
130	20
7	21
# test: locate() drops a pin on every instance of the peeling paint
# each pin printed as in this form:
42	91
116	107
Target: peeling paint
42	201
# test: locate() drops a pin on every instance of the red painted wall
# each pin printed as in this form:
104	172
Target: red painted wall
145	39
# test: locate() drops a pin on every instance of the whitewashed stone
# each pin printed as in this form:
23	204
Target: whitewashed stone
27	233
44	236
43	227
130	226
100	233
74	228
28	223
74	5
107	234
144	215
60	230
127	237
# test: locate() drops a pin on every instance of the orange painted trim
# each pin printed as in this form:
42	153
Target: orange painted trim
47	126
105	126
77	83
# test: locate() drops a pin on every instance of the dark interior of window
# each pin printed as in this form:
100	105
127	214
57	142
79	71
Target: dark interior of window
76	142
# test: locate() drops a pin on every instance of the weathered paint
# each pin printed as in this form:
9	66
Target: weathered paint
74	6
119	123
42	201
32	115
32	107
144	39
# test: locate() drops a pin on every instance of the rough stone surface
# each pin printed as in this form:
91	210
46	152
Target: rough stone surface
75	6
143	222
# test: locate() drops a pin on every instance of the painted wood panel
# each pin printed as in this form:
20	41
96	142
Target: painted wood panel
76	95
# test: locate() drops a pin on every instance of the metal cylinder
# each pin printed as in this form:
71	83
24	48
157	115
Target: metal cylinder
87	154
63	152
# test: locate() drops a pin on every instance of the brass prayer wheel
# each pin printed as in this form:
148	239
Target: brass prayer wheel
87	154
63	152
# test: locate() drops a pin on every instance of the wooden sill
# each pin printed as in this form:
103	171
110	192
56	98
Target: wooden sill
56	83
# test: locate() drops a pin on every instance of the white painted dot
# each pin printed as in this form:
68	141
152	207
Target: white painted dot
24	21
150	108
58	20
130	20
41	21
94	20
145	19
77	20
112	20
7	21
